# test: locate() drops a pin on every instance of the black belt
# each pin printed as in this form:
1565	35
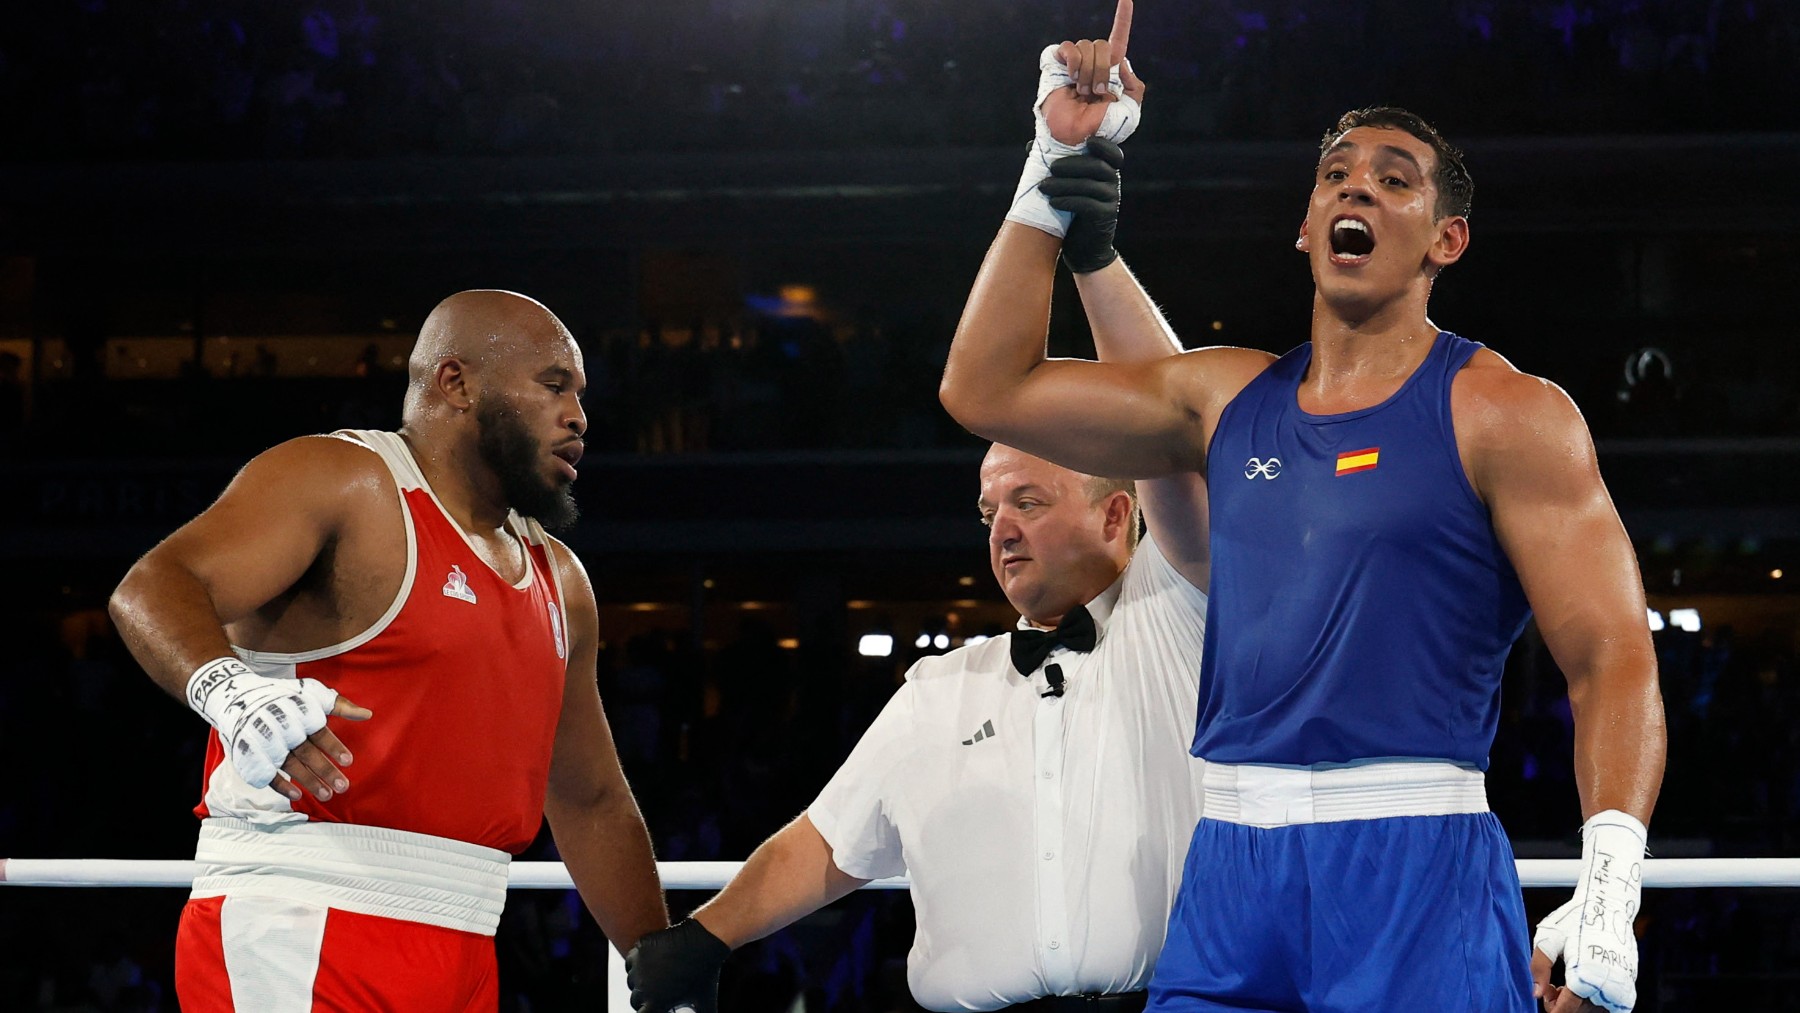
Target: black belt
1124	1002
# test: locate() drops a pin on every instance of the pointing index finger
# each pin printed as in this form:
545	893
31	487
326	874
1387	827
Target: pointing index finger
1121	30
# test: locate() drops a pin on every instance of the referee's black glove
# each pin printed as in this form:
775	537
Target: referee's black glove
676	968
1087	186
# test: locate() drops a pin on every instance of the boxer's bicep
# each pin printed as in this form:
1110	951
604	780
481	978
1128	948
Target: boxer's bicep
269	526
1553	516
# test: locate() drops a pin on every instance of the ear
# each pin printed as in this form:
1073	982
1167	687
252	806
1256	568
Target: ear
1118	514
1451	243
454	384
1303	243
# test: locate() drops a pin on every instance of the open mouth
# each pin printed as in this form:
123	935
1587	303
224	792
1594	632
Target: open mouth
1351	241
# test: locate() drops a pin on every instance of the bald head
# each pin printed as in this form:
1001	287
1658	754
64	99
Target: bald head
495	387
485	330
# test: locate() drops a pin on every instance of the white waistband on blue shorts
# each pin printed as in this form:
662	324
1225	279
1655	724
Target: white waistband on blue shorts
368	870
1258	796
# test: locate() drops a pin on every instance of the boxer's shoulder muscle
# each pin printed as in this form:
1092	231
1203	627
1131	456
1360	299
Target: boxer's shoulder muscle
332	487
340	493
1508	420
1213	376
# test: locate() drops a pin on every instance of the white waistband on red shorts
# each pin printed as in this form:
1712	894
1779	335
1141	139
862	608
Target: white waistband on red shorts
1259	796
368	870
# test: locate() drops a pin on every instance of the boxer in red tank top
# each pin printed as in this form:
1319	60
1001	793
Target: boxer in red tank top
399	668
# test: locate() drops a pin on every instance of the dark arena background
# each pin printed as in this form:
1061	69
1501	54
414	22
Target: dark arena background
223	222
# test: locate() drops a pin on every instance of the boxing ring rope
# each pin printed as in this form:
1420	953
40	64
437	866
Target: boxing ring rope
520	875
1662	873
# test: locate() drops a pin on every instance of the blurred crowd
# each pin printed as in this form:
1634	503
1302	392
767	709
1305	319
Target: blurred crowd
785	384
359	78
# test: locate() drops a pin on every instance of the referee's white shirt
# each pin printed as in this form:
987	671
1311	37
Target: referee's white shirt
1044	835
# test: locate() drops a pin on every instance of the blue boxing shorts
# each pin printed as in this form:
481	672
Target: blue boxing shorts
1399	913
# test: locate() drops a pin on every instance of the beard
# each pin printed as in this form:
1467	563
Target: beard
517	458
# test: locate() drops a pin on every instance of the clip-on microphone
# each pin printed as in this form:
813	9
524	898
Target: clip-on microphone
1053	675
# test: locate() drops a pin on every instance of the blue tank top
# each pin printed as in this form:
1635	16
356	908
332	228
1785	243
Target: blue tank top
1360	605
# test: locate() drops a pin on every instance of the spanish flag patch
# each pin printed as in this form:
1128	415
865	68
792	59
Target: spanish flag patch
1353	461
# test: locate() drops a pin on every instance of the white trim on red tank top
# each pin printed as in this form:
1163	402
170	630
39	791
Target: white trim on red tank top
525	530
398	458
513	521
256	659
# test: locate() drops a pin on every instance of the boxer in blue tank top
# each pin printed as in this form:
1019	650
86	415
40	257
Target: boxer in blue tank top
1390	503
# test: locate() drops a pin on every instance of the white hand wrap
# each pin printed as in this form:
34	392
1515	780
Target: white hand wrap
260	720
1030	206
1592	933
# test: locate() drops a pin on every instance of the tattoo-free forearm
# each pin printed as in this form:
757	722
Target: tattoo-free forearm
1126	324
790	876
606	848
1621	741
167	619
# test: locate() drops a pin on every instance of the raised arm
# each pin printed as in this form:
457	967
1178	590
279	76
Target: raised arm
1128	328
1130	421
593	816
1146	418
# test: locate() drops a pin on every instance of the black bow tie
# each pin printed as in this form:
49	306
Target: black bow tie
1031	647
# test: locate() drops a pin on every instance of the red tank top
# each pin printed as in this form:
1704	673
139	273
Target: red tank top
464	675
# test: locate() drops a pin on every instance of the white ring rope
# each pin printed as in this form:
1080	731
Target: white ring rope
111	872
1533	872
119	872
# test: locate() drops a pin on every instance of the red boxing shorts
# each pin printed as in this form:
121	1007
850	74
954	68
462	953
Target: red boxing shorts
297	917
264	955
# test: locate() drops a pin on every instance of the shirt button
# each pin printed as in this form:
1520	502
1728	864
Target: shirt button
1048	775
1055	945
1048	855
